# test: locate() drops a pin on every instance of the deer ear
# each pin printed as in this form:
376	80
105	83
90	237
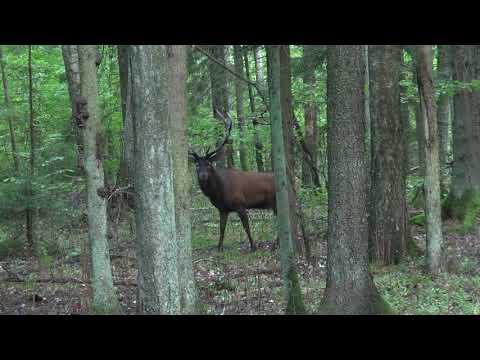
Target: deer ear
218	156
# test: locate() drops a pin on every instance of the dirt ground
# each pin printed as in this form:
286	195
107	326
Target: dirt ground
234	282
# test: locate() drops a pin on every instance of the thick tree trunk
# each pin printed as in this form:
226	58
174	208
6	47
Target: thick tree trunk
466	133
293	293
104	299
10	115
443	105
256	137
387	232
310	112
177	106
155	210
239	91
72	71
435	258
350	287
218	78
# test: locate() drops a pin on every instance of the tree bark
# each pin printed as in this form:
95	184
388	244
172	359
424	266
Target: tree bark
218	78
177	106
104	298
435	257
157	246
256	137
72	71
466	132
290	278
388	218
310	113
350	287
239	91
10	116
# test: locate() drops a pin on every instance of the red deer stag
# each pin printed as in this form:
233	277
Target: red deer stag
231	190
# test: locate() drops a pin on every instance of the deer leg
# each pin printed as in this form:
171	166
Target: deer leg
223	223
242	213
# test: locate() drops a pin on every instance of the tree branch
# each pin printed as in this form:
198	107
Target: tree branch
223	65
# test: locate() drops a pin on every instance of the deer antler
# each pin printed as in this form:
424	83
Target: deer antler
228	127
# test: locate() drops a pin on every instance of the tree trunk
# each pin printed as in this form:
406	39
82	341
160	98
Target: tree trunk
126	162
155	210
10	116
181	177
30	213
256	137
310	111
418	121
387	232
72	71
435	258
259	72
293	293
465	184
443	105
104	299
350	287
288	138
218	78
239	91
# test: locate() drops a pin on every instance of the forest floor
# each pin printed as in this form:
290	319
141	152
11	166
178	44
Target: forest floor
240	282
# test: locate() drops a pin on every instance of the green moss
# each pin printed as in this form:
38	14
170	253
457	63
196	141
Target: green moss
295	305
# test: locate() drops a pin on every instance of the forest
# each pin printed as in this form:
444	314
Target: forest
240	179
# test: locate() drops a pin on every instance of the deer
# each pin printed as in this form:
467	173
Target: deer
232	190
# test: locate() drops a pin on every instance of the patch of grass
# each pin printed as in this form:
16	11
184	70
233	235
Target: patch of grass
9	245
410	291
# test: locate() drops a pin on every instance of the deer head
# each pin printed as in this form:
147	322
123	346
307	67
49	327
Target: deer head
204	163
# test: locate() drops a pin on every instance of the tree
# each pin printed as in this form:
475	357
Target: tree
388	217
182	178
350	288
126	162
218	78
155	182
30	213
300	244
465	186
239	91
72	71
104	299
10	115
290	278
435	260
256	137
443	104
310	111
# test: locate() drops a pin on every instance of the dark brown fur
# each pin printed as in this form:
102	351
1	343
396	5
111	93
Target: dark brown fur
231	190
